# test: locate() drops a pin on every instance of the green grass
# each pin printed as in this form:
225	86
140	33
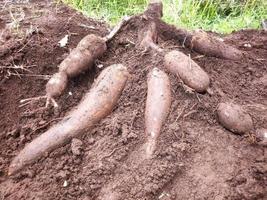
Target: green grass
222	16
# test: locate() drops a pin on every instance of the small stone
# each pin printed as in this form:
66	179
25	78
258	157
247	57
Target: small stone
247	45
42	122
76	146
65	184
30	173
261	137
100	66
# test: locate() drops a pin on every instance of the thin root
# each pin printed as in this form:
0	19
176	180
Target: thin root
117	28
15	67
54	103
32	99
27	101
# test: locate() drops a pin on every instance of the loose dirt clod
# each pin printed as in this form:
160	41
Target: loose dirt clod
76	146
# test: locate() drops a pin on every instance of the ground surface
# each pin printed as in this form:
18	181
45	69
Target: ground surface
196	157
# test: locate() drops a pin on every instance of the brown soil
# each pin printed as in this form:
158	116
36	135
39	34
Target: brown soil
196	157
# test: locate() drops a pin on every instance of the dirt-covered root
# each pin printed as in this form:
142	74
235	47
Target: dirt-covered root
157	107
80	59
234	118
200	41
187	70
176	62
213	46
149	38
148	35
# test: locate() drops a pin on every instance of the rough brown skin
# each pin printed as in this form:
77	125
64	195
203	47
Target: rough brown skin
200	41
158	104
212	46
187	70
175	61
96	105
195	156
77	61
95	44
80	59
234	118
56	84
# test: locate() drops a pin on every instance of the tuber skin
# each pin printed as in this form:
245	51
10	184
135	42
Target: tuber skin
200	41
80	59
234	118
55	87
97	104
158	104
212	46
187	70
95	44
77	61
56	84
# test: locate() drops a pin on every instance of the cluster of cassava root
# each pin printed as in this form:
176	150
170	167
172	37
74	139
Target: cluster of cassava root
107	88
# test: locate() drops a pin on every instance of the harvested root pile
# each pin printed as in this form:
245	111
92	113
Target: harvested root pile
159	132
80	59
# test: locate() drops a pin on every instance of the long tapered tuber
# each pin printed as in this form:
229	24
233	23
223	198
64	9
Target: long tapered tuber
200	41
213	46
157	106
96	105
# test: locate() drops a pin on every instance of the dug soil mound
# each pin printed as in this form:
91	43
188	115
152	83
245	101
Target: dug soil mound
195	158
